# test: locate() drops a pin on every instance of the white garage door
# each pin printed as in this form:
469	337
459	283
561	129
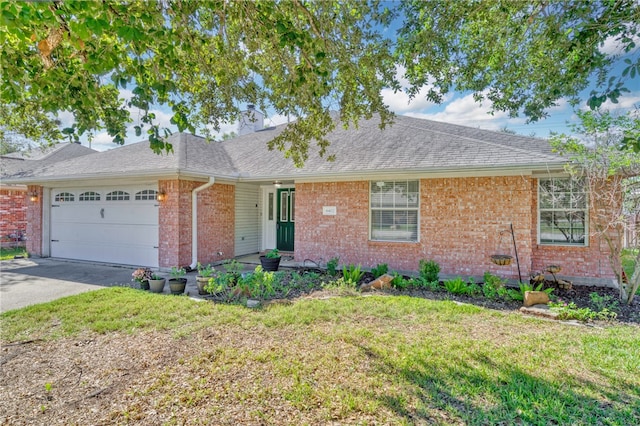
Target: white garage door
115	225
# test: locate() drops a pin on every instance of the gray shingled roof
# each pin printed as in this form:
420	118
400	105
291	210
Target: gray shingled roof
410	144
23	163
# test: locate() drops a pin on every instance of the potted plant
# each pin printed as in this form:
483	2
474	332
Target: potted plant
156	283
204	275
177	283
271	260
142	276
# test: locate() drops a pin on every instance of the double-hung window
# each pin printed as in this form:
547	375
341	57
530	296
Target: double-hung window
394	207
562	211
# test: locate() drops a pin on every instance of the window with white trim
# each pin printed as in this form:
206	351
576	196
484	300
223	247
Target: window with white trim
118	196
64	196
562	211
394	207
146	194
89	196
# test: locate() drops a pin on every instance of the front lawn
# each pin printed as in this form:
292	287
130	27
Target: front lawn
10	252
122	356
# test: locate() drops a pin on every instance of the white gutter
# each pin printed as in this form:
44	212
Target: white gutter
194	220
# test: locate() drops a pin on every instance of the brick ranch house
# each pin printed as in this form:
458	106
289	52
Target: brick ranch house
14	197
417	190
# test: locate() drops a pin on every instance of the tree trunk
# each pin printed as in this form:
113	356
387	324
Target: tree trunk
634	282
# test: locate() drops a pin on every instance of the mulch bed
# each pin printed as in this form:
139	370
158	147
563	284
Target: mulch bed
579	294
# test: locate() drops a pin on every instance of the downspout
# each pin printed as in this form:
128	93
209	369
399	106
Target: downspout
194	221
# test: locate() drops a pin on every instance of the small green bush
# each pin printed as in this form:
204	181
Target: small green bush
352	273
332	266
600	303
473	288
380	270
341	287
429	270
422	283
400	282
493	286
456	286
570	311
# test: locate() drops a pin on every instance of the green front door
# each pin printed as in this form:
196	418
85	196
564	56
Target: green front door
286	219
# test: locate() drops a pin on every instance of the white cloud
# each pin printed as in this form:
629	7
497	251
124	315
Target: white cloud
466	111
629	101
612	46
401	103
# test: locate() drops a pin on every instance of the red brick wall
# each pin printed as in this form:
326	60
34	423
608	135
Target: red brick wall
591	261
460	221
216	223
175	223
13	211
34	222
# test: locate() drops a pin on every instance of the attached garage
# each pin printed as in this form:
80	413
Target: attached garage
114	224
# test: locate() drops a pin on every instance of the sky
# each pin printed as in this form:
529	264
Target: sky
457	108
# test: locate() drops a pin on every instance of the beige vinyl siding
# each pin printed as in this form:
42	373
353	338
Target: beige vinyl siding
247	235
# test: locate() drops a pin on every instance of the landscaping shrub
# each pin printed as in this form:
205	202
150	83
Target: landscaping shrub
380	270
341	287
456	286
352	273
400	282
570	311
493	286
429	270
332	266
423	283
600	303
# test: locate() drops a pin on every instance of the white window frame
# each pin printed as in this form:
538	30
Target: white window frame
394	208
64	197
89	196
118	195
540	210
146	195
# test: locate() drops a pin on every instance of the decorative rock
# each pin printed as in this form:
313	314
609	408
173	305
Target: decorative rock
382	282
252	303
365	287
535	298
540	311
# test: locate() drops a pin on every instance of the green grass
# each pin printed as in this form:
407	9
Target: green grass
376	359
9	253
628	261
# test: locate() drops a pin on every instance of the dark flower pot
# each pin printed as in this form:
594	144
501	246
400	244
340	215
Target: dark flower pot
270	264
144	285
177	285
157	286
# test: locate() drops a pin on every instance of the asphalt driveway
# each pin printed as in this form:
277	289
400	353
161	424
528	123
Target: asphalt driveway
25	282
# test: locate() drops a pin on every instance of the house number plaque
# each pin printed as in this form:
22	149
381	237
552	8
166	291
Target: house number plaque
329	210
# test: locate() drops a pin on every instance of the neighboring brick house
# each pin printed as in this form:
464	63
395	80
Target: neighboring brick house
14	197
417	190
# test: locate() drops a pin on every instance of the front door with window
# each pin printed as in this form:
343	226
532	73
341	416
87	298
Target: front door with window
286	219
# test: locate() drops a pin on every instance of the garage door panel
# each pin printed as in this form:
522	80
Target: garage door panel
107	233
106	213
114	231
103	252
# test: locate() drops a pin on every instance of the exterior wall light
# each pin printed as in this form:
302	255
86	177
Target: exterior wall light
33	196
277	184
162	196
